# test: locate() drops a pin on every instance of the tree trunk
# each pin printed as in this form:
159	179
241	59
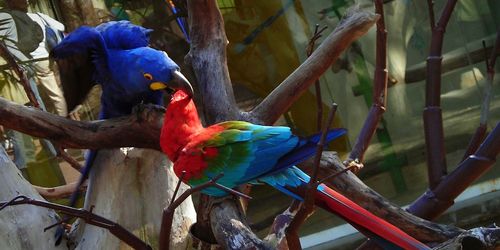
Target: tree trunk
140	182
76	13
22	226
128	188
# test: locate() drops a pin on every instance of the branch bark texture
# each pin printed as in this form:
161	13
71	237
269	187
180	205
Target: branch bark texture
138	130
22	226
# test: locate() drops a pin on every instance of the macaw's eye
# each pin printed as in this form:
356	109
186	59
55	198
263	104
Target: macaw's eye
148	76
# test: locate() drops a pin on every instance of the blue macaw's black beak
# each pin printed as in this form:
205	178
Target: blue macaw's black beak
178	82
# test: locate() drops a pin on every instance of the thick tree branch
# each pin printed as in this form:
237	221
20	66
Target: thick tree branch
88	216
208	58
354	25
349	185
137	130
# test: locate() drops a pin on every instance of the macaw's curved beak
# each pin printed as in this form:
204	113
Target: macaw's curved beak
178	82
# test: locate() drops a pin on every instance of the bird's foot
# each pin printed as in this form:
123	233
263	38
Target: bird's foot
353	165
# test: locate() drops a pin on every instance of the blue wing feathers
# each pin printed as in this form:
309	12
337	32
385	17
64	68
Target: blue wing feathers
84	40
123	35
306	148
248	152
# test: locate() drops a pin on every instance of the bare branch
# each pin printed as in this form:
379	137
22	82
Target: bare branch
379	92
432	17
65	156
307	207
435	201
89	217
317	87
356	24
433	122
480	133
11	61
349	185
137	130
476	238
168	212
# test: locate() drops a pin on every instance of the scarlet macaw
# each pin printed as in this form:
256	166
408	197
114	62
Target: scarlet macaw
249	153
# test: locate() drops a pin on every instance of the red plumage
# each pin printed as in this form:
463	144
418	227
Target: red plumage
360	218
183	134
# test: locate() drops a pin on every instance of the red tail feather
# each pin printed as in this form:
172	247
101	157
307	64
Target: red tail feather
361	218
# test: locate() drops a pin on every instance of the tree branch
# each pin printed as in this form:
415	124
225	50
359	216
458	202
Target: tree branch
168	212
307	207
435	201
379	91
349	185
88	216
433	121
208	58
137	130
11	61
355	24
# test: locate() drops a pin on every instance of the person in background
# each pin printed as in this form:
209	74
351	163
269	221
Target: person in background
10	88
43	73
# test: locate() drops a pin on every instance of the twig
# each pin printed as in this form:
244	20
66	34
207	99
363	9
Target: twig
317	87
307	207
5	53
432	17
70	160
168	212
480	133
379	92
353	165
89	217
321	145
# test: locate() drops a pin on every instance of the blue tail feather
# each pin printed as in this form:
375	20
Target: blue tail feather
305	149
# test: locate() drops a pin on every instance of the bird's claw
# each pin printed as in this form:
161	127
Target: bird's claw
354	165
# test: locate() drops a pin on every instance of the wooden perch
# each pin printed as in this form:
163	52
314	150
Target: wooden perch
349	185
137	130
89	217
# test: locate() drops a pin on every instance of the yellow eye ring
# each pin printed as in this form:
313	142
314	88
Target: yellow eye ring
148	76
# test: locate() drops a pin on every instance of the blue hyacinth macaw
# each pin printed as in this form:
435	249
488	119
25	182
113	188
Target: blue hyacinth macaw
116	56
